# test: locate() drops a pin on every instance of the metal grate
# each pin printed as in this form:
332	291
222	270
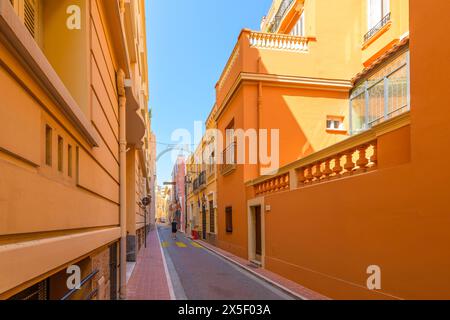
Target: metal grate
37	292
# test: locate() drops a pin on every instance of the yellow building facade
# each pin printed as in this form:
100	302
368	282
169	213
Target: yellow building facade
75	100
202	188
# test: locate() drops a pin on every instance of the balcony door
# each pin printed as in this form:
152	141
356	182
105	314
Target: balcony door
377	10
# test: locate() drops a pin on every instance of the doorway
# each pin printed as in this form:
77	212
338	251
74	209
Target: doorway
258	233
256	216
204	222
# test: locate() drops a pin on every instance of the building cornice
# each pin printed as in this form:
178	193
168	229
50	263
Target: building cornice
272	80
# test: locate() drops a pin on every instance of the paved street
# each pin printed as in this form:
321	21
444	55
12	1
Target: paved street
198	274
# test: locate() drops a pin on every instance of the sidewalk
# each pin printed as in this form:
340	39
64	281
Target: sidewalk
274	279
149	281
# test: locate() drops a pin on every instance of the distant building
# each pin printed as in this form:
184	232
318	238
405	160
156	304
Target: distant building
179	192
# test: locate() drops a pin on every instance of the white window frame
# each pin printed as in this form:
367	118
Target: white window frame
331	123
376	11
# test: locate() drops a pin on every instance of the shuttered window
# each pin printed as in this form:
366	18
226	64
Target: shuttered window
28	11
30	16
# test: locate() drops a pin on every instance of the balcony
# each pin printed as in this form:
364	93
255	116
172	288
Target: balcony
229	159
380	25
200	183
282	42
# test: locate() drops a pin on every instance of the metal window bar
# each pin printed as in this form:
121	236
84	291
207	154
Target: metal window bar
386	19
82	284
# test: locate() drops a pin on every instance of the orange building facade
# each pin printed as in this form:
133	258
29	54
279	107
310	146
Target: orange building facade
345	89
75	92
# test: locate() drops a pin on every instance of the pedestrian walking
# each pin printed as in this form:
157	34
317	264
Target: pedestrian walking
174	228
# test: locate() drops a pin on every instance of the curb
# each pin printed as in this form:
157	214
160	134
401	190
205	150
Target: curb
248	269
166	270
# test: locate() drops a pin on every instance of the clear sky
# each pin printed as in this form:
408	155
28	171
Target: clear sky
189	43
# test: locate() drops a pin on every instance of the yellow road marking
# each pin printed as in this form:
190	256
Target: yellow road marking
195	244
165	244
181	245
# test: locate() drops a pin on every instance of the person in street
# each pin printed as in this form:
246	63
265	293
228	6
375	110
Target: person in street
174	228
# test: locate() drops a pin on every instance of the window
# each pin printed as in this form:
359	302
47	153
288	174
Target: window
382	95
378	16
335	123
299	28
60	154
377	10
69	160
77	162
229	219
48	145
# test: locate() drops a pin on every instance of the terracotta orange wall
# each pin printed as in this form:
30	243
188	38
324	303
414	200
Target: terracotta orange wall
231	190
299	115
341	227
396	217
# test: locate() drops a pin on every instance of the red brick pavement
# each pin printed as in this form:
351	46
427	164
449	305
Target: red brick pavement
149	281
288	285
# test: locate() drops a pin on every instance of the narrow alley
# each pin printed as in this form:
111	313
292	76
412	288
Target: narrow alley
187	262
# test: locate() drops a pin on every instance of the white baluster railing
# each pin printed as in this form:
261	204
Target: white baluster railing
275	41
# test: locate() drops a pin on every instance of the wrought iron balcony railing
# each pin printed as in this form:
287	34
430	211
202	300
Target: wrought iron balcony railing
386	19
202	179
200	182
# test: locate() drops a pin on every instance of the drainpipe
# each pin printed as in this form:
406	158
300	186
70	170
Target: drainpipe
123	183
258	114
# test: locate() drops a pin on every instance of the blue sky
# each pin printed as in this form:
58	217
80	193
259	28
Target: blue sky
189	43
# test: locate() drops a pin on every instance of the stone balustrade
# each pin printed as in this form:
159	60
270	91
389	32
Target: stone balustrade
356	155
356	160
277	184
276	41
